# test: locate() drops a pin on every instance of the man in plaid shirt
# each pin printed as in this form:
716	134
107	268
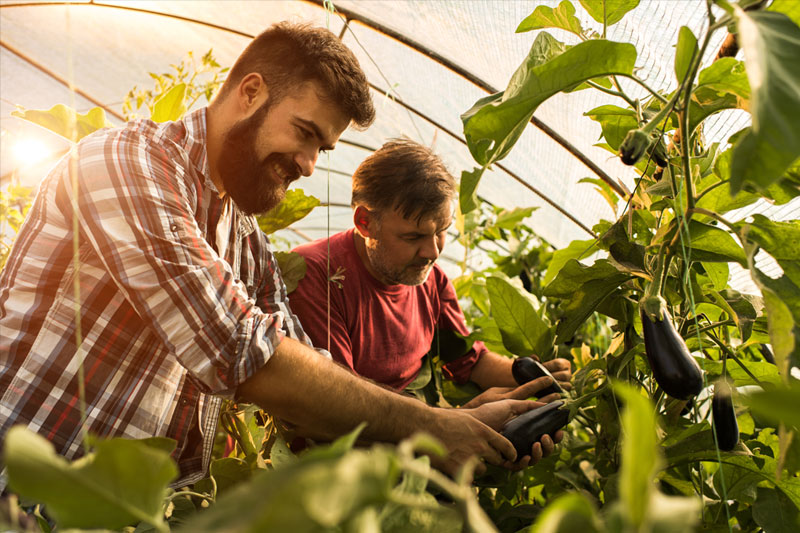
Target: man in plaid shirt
141	270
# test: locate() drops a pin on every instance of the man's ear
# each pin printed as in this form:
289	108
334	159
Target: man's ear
251	92
362	219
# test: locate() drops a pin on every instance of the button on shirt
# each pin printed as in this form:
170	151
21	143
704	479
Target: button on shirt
167	326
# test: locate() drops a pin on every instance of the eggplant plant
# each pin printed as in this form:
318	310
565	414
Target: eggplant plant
659	279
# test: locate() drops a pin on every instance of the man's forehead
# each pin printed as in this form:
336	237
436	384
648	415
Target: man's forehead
438	219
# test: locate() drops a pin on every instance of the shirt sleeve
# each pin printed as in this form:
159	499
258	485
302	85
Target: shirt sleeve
272	295
309	301
136	201
452	318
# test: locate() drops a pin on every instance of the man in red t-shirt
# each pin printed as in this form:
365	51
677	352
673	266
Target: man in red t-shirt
374	296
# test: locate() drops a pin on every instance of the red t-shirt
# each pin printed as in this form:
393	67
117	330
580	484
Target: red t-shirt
379	331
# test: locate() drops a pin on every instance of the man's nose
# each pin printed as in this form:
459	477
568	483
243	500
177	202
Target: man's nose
306	160
430	249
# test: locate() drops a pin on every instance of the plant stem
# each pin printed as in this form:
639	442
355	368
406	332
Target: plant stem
715	216
612	92
647	87
732	355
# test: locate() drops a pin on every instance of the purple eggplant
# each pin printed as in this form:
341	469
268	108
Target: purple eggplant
723	416
673	367
531	426
525	369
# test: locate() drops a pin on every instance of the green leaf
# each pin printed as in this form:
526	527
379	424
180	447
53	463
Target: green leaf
718	274
280	455
294	207
546	17
771	44
713	244
568	513
319	492
765	372
583	288
775	512
229	472
615	122
790	8
523	330
721	85
639	454
293	268
778	404
65	121
494	124
511	218
468	188
605	190
608	12
686	50
575	250
171	105
121	483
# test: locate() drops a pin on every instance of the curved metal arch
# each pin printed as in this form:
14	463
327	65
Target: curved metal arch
351	15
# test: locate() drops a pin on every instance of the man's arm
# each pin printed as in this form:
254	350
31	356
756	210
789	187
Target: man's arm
494	370
312	392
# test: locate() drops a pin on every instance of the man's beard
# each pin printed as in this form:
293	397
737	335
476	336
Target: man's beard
392	274
246	179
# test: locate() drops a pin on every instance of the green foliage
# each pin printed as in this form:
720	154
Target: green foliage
65	121
177	90
547	17
15	202
294	206
608	12
523	330
771	44
122	482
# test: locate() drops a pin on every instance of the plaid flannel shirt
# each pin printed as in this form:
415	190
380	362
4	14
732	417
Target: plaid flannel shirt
168	326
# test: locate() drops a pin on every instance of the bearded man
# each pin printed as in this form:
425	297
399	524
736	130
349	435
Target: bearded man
387	296
141	263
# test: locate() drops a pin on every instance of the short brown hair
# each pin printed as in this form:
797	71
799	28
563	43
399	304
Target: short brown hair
289	54
406	176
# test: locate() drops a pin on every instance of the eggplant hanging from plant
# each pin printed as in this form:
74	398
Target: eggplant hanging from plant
529	428
723	416
525	369
673	367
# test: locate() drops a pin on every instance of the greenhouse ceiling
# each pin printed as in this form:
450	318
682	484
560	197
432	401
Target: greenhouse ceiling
427	62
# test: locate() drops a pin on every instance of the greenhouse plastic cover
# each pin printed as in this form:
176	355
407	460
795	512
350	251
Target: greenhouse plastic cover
429	61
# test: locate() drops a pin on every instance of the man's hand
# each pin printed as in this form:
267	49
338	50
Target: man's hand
497	414
561	369
521	392
465	435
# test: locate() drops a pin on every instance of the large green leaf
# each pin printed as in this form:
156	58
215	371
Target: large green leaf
568	513
790	8
763	371
639	454
65	121
547	17
711	243
121	483
615	122
495	123
294	207
171	105
293	268
775	513
771	44
608	12
721	85
583	288
576	250
523	330
685	52
781	295
468	187
778	404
